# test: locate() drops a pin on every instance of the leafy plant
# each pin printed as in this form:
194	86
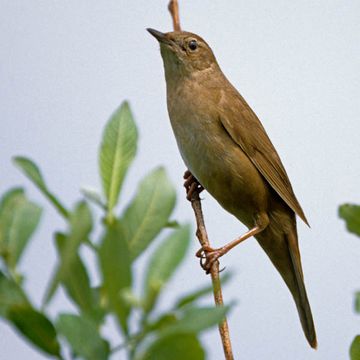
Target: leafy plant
351	214
146	331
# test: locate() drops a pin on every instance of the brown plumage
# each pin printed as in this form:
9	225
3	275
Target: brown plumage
224	145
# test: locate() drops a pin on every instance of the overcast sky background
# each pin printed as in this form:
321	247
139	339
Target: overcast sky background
66	65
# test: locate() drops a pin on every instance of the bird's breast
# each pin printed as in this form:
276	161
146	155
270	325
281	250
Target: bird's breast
213	157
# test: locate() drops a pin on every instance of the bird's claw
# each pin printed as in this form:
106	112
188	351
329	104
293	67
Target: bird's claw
191	185
210	255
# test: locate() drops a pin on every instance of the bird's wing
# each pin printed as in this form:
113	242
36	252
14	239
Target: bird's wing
245	129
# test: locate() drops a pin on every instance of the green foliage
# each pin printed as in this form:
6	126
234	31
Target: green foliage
80	222
149	211
197	294
196	319
118	149
175	347
83	336
32	324
146	332
94	197
357	302
164	262
33	173
11	294
77	285
36	327
19	218
355	349
115	263
351	214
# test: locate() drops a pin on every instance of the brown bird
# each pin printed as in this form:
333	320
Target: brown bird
226	148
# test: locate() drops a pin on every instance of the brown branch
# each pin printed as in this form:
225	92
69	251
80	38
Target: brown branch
201	234
174	11
201	229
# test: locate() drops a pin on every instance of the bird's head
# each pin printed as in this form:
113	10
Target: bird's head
183	52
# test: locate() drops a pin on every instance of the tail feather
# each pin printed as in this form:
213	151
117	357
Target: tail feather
299	294
283	252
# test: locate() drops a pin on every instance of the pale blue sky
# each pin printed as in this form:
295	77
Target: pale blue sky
66	65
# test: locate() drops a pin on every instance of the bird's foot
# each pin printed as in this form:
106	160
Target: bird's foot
210	256
191	185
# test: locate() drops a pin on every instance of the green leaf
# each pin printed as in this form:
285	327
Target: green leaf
118	149
18	220
93	196
83	337
33	173
149	211
10	201
14	194
36	327
162	322
26	219
80	228
115	265
197	319
175	347
357	302
164	262
172	224
52	287
77	282
131	298
355	348
100	309
195	295
10	294
351	214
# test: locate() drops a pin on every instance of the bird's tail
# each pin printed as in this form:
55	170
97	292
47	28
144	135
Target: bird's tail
284	254
299	292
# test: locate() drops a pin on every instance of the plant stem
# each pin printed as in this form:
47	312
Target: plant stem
201	232
174	11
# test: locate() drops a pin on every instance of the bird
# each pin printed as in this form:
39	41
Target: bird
228	153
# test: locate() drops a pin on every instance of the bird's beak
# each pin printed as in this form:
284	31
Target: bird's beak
159	36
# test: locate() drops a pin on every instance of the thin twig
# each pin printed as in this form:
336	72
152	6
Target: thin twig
201	234
201	229
174	11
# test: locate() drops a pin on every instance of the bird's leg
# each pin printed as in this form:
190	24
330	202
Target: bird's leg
191	184
211	255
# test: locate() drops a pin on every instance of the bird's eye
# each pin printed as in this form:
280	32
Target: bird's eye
193	45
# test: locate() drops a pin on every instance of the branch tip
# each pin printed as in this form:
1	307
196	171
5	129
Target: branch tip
173	7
